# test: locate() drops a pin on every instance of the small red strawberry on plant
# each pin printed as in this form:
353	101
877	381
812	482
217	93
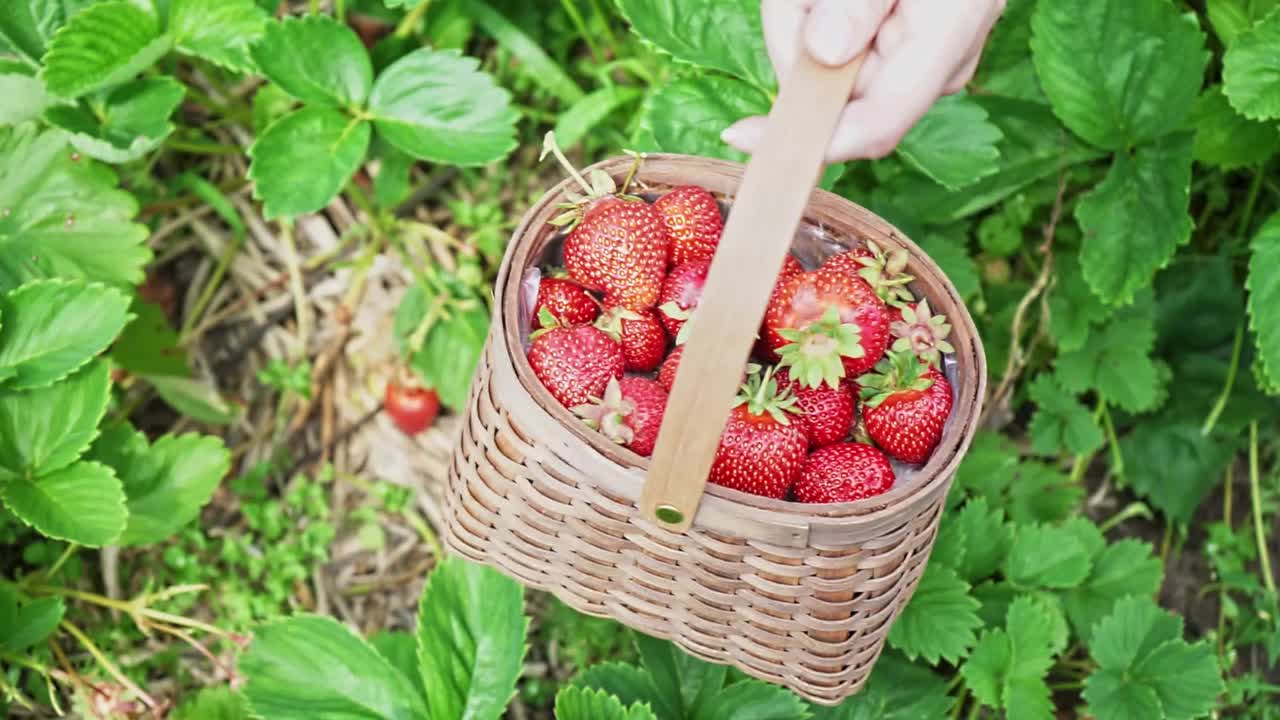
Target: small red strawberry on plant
922	332
680	294
843	473
410	405
568	302
574	363
884	271
762	448
826	412
834	321
905	403
629	414
617	243
644	342
693	221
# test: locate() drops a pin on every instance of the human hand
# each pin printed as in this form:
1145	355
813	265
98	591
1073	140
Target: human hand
920	50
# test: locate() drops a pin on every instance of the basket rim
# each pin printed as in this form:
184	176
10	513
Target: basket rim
936	472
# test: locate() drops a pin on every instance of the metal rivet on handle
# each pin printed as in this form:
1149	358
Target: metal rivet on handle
668	514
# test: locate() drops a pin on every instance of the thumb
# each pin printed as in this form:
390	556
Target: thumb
836	30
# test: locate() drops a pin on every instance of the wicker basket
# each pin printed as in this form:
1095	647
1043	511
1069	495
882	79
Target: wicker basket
798	595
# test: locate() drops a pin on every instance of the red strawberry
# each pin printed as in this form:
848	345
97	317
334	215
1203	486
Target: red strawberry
905	404
919	330
761	349
884	271
630	413
667	373
826	412
569	302
843	473
693	221
791	266
761	449
644	342
574	363
680	294
826	325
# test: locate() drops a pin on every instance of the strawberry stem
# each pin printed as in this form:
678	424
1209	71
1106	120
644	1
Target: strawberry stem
549	146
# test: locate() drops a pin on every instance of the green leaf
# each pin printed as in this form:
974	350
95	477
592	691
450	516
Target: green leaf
575	703
309	666
220	31
1115	360
1118	72
1008	666
1006	68
315	59
214	703
688	115
1061	422
953	257
24	96
989	466
47	429
54	327
28	25
584	115
1251	70
401	650
1146	669
1188	464
629	684
62	216
166	483
106	43
896	690
1199	304
1232	17
438	105
988	539
722	35
391	184
31	624
471	640
940	620
123	124
149	344
1122	569
1263	285
270	103
193	398
305	158
1046	556
81	503
1073	308
683	683
1042	494
953	143
450	353
1228	139
531	59
753	700
1136	218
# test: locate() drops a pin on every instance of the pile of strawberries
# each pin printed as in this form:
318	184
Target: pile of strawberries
844	341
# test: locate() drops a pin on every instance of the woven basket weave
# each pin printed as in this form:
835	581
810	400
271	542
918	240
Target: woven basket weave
798	595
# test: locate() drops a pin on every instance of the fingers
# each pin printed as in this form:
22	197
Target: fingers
837	30
782	20
745	134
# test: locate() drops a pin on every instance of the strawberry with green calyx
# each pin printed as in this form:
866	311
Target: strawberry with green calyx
922	332
644	342
905	403
694	223
680	294
884	271
761	450
630	413
826	411
598	187
569	302
573	363
804	304
843	472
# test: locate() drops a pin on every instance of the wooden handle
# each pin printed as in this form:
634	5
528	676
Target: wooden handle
767	209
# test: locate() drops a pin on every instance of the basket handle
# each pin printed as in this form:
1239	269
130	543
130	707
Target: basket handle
767	209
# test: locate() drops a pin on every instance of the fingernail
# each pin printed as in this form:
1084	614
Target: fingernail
827	33
735	135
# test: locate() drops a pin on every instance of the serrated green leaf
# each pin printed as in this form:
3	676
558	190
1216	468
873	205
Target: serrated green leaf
953	143
1121	569
1008	666
1061	422
683	682
62	216
576	703
1115	360
1263	285
940	620
1136	219
628	683
1187	464
24	96
194	398
529	56
214	703
1228	139
438	105
315	59
1135	628
107	43
451	351
220	31
305	158
1118	72
986	667
401	650
53	327
950	548
1232	17
31	624
720	35
988	539
1046	556
471	640
589	111
989	466
270	103
166	483
1251	70
391	184
1006	68
47	429
28	25
149	344
1199	303
1042	493
81	503
753	700
688	115
1073	308
896	690
310	666
123	124
953	257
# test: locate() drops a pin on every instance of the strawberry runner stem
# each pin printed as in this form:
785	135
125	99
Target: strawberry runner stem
1255	497
549	146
